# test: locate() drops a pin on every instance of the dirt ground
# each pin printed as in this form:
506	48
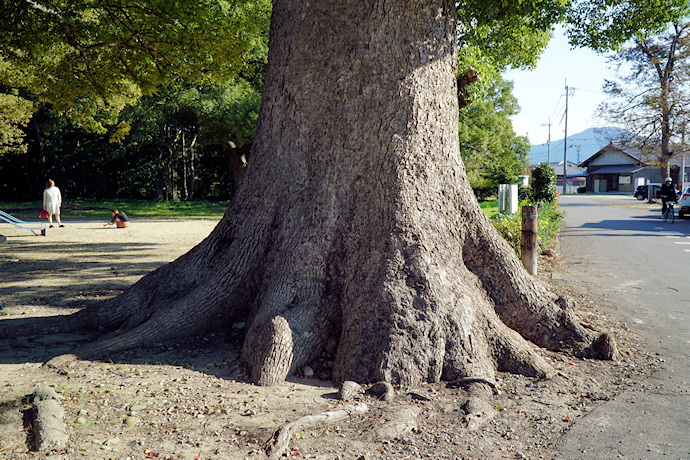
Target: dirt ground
191	400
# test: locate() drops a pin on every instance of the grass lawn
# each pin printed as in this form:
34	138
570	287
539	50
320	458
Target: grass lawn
136	209
490	207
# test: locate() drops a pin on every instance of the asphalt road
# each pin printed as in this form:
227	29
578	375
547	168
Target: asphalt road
623	249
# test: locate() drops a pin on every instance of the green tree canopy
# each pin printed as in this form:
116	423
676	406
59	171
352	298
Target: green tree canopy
104	54
173	132
495	36
604	25
491	151
101	55
15	113
510	34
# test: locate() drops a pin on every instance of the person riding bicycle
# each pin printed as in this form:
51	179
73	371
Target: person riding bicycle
668	193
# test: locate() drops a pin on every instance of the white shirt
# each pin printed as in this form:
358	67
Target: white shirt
52	200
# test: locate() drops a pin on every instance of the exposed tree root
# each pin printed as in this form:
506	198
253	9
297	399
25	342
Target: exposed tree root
269	352
479	410
468	380
604	347
522	302
278	444
34	327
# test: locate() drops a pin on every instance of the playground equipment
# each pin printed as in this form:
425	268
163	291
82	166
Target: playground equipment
37	228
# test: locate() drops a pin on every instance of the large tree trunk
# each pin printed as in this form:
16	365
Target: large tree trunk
355	233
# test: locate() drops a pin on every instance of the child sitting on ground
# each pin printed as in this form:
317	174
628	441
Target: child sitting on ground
120	219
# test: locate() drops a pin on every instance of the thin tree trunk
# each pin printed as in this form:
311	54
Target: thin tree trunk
191	179
160	179
28	184
185	190
236	167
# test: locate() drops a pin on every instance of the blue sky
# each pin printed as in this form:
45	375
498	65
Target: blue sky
541	92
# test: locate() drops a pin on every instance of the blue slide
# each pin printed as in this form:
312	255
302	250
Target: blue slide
37	228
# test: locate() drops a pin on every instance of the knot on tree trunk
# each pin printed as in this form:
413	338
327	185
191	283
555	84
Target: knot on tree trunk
268	351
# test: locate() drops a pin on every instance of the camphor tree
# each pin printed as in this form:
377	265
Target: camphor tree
355	233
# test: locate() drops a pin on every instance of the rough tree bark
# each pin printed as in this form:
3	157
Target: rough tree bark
355	233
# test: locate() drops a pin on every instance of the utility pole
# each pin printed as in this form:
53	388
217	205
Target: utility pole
548	143
682	170
565	140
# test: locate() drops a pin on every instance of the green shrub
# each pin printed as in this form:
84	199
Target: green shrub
543	184
549	217
510	227
549	220
524	193
483	185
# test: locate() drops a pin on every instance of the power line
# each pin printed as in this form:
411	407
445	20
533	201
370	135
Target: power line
558	105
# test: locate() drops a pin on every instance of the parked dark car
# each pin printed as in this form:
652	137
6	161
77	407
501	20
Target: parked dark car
642	191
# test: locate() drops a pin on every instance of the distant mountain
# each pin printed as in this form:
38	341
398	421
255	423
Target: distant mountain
580	146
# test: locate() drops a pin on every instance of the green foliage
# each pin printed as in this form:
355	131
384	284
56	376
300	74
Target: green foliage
176	135
510	228
229	113
199	66
493	38
491	151
604	25
508	33
181	132
543	184
15	113
549	219
89	59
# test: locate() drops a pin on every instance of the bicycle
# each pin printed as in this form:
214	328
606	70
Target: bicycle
669	215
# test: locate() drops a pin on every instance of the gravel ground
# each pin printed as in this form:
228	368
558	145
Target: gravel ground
191	400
